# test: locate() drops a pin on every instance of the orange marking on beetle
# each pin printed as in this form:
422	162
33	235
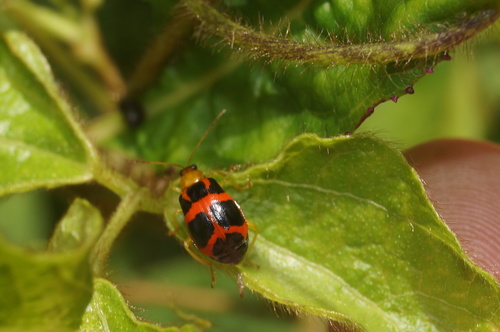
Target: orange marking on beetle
204	205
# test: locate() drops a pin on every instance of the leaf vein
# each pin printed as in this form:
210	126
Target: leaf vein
320	189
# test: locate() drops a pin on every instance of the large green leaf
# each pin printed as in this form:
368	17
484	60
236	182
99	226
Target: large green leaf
368	53
40	143
49	291
108	312
346	232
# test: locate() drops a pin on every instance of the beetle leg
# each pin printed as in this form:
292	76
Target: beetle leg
238	187
175	222
212	275
241	285
247	261
253	227
241	188
187	246
231	181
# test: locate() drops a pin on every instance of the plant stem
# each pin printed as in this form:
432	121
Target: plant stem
82	36
153	61
127	207
258	44
92	51
54	24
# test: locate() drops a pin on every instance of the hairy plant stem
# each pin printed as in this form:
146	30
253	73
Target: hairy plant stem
258	44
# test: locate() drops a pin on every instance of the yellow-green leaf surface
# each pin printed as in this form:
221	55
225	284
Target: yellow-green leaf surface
40	143
346	232
49	291
109	312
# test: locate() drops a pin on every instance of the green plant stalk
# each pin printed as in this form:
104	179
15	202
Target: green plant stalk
105	127
83	37
56	25
127	207
151	64
258	44
91	50
94	90
123	185
80	77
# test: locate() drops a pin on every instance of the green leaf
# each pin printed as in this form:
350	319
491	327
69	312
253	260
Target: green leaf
346	232
108	312
81	225
49	291
380	52
40	143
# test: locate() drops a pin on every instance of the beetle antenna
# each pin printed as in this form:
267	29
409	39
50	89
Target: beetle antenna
205	135
155	163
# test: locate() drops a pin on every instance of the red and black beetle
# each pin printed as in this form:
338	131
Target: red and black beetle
215	222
